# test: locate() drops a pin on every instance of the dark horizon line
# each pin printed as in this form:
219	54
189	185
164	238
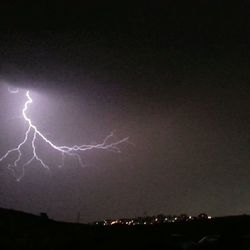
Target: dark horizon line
44	215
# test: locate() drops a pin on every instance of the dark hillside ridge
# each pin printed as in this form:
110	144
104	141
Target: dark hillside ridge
20	230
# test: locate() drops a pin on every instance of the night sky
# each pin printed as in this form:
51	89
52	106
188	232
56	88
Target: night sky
174	78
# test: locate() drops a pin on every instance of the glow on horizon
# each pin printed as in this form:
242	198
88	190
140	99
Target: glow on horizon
33	131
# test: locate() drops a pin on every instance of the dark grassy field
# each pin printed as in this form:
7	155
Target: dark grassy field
25	231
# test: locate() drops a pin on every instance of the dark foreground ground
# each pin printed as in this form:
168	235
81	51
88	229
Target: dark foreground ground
23	231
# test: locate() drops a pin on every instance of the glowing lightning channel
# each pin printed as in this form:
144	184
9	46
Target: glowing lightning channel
13	91
33	131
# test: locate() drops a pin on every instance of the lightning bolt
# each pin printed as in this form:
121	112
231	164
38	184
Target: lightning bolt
33	132
13	91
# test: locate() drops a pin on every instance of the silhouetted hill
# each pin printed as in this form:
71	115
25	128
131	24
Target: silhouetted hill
9	214
20	230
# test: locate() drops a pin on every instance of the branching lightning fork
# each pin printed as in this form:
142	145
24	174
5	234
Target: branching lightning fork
33	132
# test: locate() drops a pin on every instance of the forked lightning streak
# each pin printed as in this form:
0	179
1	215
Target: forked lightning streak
33	132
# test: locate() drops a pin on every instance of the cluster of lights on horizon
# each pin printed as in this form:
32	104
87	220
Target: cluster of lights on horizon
33	132
153	220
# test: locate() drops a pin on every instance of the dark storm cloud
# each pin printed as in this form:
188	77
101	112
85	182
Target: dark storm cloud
108	45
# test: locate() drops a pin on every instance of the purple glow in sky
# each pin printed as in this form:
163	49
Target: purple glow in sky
32	136
175	79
